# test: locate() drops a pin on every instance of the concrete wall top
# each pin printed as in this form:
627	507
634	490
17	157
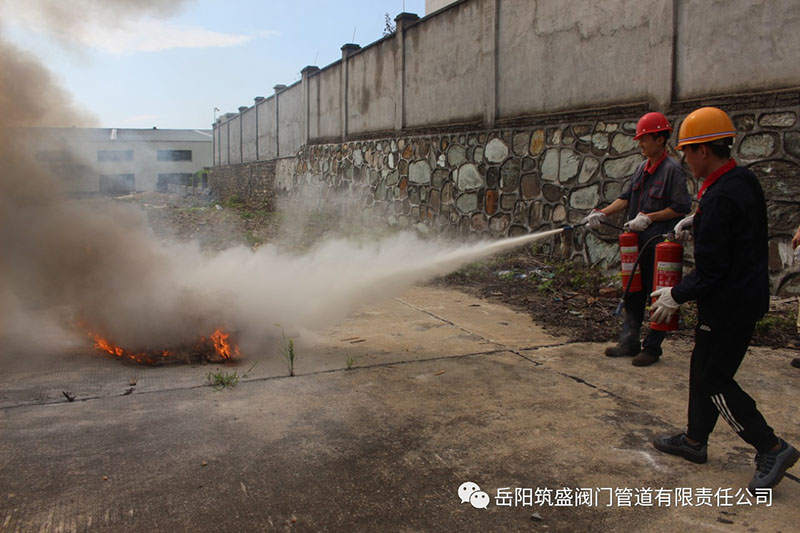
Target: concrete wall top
446	67
267	148
371	88
554	56
290	124
249	135
737	46
224	143
326	103
235	139
502	61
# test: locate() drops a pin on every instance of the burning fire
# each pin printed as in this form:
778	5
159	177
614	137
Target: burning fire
223	347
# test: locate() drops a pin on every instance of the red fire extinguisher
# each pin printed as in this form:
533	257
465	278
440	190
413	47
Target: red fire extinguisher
667	272
628	252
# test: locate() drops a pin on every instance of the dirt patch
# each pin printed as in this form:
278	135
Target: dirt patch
579	302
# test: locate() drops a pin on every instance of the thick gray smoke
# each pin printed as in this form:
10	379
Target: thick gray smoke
105	268
53	253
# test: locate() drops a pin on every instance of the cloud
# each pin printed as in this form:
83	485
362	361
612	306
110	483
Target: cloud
126	34
149	35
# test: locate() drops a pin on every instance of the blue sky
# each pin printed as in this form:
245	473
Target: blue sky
171	72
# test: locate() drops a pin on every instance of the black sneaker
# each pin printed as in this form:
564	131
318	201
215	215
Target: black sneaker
622	350
678	445
772	465
796	362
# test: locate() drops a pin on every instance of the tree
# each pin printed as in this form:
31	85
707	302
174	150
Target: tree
389	28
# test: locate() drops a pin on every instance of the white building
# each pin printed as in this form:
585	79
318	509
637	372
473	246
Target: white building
436	5
118	161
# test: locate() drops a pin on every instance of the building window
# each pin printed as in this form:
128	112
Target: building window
174	155
117	183
172	178
114	155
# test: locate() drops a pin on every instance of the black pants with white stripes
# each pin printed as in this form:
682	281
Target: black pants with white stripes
716	357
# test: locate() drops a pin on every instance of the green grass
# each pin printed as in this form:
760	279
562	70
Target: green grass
775	324
220	380
233	202
287	350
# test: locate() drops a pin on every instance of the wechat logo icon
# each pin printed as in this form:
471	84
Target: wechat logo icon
471	493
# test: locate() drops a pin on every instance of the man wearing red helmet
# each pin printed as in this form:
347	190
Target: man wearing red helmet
655	199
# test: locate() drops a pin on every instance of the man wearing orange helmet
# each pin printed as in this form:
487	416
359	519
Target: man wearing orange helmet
731	285
796	344
655	198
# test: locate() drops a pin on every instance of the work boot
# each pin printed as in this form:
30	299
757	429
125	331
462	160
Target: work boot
795	343
623	350
796	362
772	465
678	445
646	358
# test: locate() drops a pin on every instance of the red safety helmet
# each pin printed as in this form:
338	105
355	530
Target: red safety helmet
652	123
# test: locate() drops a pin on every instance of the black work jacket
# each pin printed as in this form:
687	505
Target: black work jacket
731	277
647	193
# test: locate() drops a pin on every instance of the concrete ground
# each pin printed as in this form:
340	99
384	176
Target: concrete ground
443	389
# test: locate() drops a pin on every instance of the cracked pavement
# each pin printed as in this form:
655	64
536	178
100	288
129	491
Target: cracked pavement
442	388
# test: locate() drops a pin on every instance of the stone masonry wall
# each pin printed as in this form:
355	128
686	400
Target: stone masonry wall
249	183
532	177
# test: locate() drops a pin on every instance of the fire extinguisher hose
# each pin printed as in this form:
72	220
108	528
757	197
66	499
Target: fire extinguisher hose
618	310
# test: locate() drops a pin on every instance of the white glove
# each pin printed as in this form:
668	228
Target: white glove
664	307
594	219
683	229
639	223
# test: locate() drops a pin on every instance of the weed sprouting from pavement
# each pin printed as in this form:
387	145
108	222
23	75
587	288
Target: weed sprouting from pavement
220	380
287	350
350	362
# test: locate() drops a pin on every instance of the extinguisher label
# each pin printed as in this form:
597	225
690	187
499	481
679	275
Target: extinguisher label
629	250
669	267
668	274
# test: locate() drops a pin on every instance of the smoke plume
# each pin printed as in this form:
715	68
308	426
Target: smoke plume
103	268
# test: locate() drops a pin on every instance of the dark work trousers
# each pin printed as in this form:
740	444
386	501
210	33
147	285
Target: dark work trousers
635	304
716	357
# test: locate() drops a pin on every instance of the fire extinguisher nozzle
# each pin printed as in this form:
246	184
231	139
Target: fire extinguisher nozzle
567	227
618	310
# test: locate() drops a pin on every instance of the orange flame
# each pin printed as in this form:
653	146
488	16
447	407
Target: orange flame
103	344
222	346
107	346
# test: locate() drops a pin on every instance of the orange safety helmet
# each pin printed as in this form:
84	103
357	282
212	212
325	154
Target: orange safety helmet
704	125
653	122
